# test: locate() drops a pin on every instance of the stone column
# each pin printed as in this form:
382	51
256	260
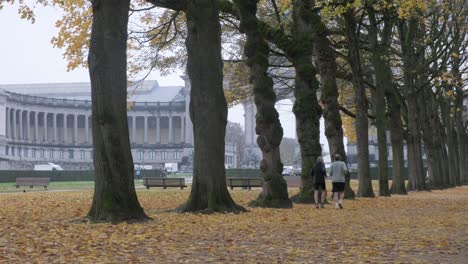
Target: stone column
20	124
75	129
13	135
86	125
36	126
55	126
7	123
188	122
45	128
250	135
65	128
171	133
158	130
145	130
28	126
182	132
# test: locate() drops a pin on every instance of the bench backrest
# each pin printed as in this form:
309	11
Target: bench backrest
164	181
32	181
245	181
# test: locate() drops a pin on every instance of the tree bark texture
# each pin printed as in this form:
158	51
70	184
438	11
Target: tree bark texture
306	107
268	126
362	124
114	197
451	141
327	66
462	139
407	32
384	81
208	110
396	138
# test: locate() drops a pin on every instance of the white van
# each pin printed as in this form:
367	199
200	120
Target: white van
47	167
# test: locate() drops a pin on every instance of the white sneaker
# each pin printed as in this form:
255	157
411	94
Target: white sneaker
337	206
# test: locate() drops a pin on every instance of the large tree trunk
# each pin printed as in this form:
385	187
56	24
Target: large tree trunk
384	82
426	111
362	127
306	108
268	127
114	193
326	63
208	109
416	175
408	32
462	138
451	141
396	138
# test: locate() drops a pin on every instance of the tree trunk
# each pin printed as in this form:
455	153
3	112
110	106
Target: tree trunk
362	128
326	63
268	127
462	138
208	110
416	181
407	32
114	198
396	138
426	112
384	82
306	108
452	148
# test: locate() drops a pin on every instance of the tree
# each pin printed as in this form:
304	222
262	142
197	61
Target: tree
362	133
327	65
384	82
268	127
114	193
208	109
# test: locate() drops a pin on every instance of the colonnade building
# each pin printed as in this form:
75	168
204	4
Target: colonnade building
42	123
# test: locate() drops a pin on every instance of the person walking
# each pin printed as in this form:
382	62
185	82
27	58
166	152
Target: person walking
338	171
319	174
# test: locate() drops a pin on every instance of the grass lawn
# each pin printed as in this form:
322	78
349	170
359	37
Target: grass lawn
55	186
425	227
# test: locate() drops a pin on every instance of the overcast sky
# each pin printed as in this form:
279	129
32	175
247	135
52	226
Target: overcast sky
26	56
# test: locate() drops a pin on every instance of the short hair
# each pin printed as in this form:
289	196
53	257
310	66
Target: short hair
337	157
319	159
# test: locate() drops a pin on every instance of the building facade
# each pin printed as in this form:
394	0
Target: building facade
42	123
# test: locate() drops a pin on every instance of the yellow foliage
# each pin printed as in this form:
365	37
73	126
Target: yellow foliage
44	227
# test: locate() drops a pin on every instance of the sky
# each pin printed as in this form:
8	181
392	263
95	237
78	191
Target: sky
27	56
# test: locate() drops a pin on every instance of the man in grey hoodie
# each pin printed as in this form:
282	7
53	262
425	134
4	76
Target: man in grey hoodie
338	171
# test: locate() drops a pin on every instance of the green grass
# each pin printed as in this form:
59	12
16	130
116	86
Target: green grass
58	185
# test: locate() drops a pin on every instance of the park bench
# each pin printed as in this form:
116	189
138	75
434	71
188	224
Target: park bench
244	182
31	182
164	182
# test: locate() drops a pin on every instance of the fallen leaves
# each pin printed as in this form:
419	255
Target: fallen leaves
426	227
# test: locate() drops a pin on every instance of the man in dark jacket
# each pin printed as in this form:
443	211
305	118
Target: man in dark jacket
319	174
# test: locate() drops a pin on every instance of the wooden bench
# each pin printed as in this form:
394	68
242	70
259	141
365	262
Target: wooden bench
244	182
31	182
164	182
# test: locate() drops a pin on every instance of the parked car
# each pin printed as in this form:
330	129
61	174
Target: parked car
47	167
288	171
298	171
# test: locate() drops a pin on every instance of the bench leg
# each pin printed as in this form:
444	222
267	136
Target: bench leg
147	187
232	187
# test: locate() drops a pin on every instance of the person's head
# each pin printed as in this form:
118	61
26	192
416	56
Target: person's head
319	159
337	157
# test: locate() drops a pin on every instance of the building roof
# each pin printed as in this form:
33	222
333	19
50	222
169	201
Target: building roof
147	91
